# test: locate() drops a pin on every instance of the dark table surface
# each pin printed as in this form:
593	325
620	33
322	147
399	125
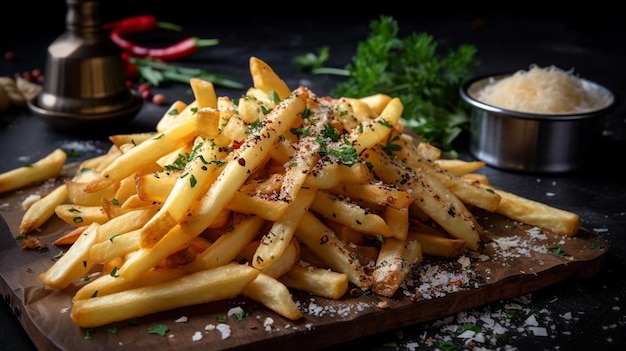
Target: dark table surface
577	313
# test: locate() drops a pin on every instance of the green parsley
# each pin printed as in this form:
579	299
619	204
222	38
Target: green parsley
411	69
160	329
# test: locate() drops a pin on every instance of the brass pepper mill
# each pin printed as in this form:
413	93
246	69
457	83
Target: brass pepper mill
85	83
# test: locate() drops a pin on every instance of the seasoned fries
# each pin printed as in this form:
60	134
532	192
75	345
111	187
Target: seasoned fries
279	190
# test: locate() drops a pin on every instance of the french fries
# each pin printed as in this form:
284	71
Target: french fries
281	190
44	169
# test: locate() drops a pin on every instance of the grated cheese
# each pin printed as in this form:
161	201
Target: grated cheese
541	90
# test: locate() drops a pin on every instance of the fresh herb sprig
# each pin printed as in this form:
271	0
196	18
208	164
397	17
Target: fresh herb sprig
158	72
411	69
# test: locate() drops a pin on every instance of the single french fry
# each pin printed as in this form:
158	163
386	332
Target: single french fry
43	209
74	263
459	167
377	102
398	221
107	284
204	92
333	252
48	167
350	214
116	245
173	115
143	155
70	237
438	245
275	242
537	213
78	215
132	139
156	187
200	287
274	295
228	245
395	261
317	281
266	208
378	193
265	79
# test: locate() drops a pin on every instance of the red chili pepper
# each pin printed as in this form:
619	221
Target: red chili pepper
139	24
178	50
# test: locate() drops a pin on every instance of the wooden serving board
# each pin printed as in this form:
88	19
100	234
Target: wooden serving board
522	263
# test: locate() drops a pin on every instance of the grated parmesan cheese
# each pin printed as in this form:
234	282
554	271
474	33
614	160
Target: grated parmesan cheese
542	90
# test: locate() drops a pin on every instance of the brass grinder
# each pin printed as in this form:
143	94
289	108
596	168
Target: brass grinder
85	84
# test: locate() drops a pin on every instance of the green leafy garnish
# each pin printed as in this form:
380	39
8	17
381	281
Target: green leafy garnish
411	69
160	329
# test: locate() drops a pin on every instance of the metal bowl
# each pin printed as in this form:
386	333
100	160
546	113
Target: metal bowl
531	142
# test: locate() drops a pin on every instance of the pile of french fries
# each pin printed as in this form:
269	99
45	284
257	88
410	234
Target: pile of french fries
275	191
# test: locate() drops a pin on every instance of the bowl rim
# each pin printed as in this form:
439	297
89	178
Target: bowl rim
469	84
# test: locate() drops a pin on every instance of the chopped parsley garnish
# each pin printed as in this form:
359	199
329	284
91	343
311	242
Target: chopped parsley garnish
160	329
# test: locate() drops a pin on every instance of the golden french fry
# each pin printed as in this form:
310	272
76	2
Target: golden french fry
350	214
143	155
459	167
132	139
317	281
78	215
204	92
48	167
537	213
116	245
275	242
177	112
266	208
398	221
437	244
156	187
40	211
395	261
333	252
228	245
376	102
70	237
274	295
378	193
74	263
200	287
265	79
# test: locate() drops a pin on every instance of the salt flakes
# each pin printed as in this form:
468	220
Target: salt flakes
197	336
224	329
182	319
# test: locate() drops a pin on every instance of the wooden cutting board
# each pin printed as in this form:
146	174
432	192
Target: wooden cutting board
521	264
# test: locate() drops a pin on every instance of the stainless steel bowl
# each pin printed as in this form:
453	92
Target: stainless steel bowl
531	142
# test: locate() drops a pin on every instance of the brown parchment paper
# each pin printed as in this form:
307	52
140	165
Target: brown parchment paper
497	271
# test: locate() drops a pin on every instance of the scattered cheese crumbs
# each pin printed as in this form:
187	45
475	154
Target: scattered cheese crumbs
197	336
65	310
224	329
209	327
30	200
182	319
